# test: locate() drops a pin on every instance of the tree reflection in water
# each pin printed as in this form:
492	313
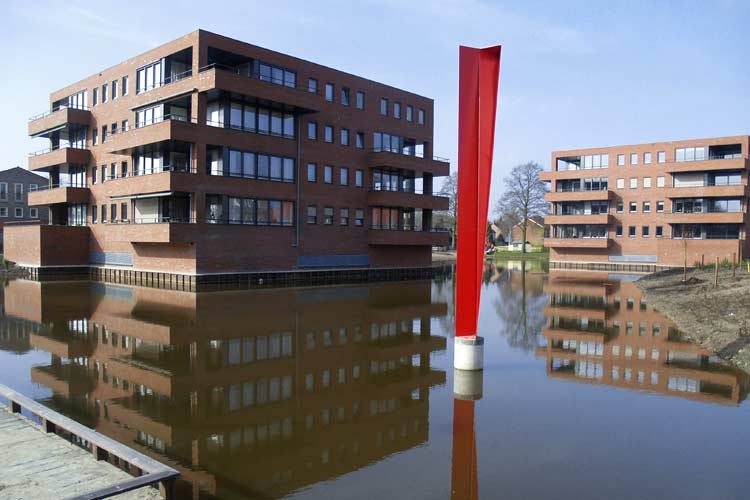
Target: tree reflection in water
520	301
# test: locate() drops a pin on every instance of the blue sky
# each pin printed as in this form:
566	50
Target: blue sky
573	74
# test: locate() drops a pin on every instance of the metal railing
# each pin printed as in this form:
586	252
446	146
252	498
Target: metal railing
397	151
421	192
53	111
152	220
149	472
257	76
170	79
47	187
714	156
55	148
408	228
240	222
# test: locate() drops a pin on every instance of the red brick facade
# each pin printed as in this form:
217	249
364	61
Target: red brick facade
169	157
636	208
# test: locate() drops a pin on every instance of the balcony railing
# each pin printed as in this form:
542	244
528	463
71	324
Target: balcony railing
240	222
401	152
152	220
422	192
55	148
212	123
573	189
168	80
52	111
387	227
257	76
47	187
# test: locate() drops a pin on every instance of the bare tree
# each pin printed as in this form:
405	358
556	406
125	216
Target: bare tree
450	189
524	195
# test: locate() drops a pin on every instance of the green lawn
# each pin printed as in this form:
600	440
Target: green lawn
505	255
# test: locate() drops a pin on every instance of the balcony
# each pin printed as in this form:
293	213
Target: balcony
232	79
705	218
44	124
602	194
39	246
435	237
413	199
730	162
732	190
579	219
549	175
163	180
54	194
155	230
166	129
386	158
46	159
595	243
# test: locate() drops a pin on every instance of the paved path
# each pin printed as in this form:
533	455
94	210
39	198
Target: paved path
38	465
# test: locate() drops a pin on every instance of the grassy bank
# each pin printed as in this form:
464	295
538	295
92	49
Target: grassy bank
718	318
505	255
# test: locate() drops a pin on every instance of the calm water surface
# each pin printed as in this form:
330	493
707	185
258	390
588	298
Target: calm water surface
347	392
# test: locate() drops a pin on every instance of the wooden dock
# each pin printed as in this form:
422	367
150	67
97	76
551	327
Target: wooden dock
37	463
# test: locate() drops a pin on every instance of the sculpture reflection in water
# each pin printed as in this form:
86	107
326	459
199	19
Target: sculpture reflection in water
248	394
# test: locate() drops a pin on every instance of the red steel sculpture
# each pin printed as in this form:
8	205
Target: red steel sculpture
479	74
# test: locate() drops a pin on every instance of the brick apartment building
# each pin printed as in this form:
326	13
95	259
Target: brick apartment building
207	155
628	206
15	185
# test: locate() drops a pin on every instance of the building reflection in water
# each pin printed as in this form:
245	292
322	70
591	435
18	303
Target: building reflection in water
599	329
255	393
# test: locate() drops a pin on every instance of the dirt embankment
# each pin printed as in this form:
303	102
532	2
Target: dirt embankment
718	318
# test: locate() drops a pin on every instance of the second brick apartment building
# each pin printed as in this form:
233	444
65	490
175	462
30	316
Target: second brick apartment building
626	206
208	155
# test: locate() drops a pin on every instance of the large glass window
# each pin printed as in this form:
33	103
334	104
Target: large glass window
149	77
251	118
360	100
249	211
691	154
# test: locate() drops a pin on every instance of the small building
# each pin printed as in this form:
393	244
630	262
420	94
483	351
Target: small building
534	232
15	185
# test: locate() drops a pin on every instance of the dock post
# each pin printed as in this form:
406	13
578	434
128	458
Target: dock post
734	265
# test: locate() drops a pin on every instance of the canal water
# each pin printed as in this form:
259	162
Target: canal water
347	391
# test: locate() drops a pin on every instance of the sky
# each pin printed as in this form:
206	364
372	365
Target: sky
573	74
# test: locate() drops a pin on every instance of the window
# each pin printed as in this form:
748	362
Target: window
620	160
113	212
104	93
420	116
19	212
634	158
104	134
113	128
328	216
328	133
18	192
312	172
409	113
691	154
360	140
312	85
114	90
124	126
659	232
3	211
359	178
94	210
631	231
34	213
660	181
3	191
312	214
312	131
344	136
123	211
359	217
384	106
104	173
329	92
646	158
360	100
345	96
645	231
344	176
633	182
328	174
104	214
646	207
113	171
620	183
95	97
618	231
148	77
94	136
125	82
344	216
633	207
661	157
397	110
124	169
93	174
647	182
619	207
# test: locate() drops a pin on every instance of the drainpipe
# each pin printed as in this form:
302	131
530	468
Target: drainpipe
297	181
